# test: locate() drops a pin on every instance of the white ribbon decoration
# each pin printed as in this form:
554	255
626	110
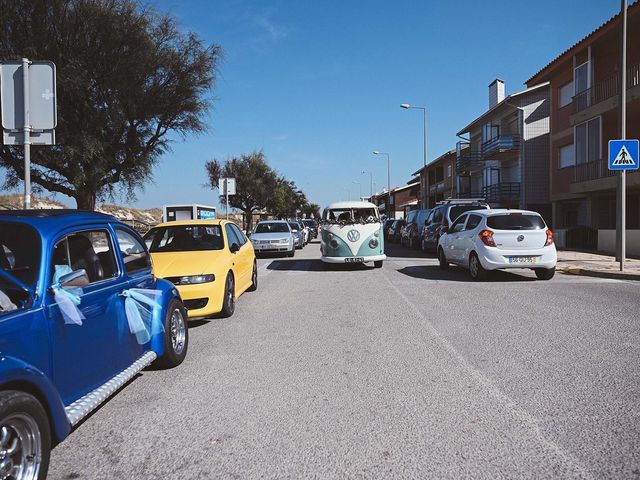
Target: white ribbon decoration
67	299
143	313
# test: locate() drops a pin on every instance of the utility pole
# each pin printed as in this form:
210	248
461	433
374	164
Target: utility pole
621	243
26	132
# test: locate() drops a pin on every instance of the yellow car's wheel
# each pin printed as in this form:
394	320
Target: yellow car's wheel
229	302
254	278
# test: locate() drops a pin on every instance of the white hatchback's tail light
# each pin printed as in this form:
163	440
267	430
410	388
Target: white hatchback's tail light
487	238
549	238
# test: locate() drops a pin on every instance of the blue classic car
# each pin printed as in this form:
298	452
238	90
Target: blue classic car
80	314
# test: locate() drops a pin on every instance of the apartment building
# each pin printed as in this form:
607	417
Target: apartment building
438	179
584	90
505	157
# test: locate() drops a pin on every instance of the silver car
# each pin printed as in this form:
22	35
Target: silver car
273	236
298	233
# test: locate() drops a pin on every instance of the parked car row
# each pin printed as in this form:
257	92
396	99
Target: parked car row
282	236
86	304
468	233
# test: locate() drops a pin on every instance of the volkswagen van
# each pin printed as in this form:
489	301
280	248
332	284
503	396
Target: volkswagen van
351	232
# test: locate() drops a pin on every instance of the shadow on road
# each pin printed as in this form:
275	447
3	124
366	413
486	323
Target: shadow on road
398	251
313	265
433	272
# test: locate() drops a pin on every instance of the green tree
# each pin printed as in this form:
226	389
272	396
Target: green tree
255	182
311	210
127	76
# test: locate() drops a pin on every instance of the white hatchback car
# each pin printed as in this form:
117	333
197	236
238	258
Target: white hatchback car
483	240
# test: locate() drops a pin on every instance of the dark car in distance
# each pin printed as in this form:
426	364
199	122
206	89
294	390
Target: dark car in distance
443	215
395	229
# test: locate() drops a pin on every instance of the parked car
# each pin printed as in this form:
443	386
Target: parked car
484	240
313	227
298	233
394	230
386	225
273	236
411	232
443	215
211	262
81	313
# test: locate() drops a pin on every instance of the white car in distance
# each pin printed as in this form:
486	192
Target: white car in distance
484	240
273	236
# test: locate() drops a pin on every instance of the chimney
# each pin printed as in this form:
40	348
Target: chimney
496	92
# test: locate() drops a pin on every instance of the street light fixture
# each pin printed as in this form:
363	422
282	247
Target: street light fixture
370	182
407	106
376	152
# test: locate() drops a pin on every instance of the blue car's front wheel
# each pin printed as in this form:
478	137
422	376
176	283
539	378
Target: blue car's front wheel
25	437
176	335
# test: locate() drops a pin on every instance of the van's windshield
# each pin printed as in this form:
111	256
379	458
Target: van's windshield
351	215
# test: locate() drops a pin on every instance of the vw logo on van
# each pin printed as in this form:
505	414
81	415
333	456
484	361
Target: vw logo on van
353	235
520	238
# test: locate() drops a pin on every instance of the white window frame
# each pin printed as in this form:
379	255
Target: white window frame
575	143
588	64
572	90
572	148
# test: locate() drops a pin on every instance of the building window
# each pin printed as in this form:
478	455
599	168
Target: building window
565	94
587	141
581	80
567	156
449	169
489	132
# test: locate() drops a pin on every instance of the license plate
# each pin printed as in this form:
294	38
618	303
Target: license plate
522	259
354	260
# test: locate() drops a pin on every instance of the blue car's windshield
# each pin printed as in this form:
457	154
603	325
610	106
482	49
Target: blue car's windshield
20	251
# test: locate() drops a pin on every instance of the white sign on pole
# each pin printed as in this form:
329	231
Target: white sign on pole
227	186
41	101
28	109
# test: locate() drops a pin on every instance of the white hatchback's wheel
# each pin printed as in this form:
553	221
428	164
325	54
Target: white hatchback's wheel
476	269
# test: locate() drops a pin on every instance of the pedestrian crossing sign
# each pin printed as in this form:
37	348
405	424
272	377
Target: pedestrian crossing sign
623	155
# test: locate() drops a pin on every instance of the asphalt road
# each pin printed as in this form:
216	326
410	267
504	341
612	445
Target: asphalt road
399	372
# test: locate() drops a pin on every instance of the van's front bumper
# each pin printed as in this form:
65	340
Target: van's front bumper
367	259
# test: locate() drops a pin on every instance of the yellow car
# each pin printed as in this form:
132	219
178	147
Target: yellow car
211	262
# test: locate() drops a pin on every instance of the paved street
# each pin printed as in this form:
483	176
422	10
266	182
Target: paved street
399	372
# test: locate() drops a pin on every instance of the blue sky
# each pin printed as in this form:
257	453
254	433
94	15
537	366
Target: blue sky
317	84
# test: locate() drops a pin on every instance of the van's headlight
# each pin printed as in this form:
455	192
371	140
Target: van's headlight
373	243
333	243
192	279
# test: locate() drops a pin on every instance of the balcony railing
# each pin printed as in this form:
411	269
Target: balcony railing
605	89
468	160
499	144
583	172
501	192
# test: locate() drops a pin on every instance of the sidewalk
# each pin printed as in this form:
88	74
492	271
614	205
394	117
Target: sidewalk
596	265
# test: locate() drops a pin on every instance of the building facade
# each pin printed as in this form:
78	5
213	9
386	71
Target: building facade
585	114
438	179
505	157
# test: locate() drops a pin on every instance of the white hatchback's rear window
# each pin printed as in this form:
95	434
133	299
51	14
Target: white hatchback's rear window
516	221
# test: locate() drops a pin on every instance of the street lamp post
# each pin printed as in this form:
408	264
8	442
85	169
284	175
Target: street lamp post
370	182
407	106
360	186
376	152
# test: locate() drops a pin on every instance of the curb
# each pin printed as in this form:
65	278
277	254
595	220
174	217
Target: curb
599	274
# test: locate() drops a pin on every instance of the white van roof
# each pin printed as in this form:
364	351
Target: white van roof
353	204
